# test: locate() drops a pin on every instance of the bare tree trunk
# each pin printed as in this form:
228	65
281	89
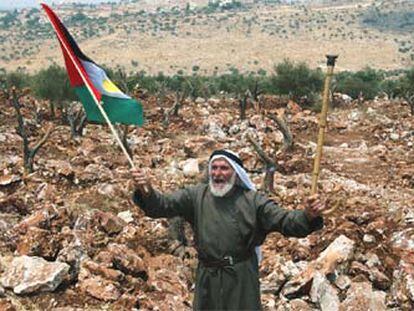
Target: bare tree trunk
123	131
243	106
77	121
179	98
161	92
284	128
52	109
243	103
28	153
410	100
269	163
256	91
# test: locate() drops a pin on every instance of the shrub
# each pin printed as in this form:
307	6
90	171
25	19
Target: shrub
296	80
366	82
52	83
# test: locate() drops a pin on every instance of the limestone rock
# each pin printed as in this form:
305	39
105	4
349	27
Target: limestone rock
323	293
33	274
360	296
100	288
339	251
190	167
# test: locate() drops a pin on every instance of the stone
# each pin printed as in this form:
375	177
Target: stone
73	254
334	257
323	293
360	296
107	189
27	275
126	216
215	131
105	272
402	289
379	279
109	222
7	305
127	261
6	180
339	251
299	305
369	239
394	136
372	260
38	242
100	288
343	282
354	116
190	167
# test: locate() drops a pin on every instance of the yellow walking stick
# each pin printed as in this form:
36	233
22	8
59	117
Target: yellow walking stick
322	127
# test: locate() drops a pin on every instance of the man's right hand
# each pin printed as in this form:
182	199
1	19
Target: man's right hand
141	181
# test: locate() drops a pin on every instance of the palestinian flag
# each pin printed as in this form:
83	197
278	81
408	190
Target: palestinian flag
91	83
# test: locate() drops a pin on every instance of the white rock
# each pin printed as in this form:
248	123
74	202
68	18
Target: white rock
191	168
200	100
234	129
394	136
33	274
126	216
372	260
369	239
107	189
323	293
215	131
204	112
354	116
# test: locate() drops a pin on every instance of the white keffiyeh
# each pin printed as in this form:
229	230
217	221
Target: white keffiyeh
244	178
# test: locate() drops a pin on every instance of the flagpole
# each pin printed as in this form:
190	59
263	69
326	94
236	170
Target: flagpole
97	102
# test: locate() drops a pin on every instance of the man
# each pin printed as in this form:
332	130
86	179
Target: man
229	219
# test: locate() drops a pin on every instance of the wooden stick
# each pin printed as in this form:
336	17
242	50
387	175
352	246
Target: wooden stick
322	122
322	127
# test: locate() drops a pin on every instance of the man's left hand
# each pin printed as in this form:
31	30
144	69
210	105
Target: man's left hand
314	207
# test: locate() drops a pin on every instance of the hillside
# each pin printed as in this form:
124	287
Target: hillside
76	212
167	36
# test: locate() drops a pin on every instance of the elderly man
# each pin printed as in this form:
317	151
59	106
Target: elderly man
229	219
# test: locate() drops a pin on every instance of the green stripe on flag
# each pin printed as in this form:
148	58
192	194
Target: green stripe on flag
119	110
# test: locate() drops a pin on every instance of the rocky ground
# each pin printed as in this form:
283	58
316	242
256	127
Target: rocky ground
71	239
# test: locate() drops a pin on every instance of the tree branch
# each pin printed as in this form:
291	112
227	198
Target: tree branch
284	128
270	165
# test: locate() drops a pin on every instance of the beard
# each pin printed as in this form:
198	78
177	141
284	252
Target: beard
220	189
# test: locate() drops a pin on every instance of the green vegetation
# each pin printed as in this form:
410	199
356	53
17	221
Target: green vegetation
389	20
52	84
9	19
365	82
296	80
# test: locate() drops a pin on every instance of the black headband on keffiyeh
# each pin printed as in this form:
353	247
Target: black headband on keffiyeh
236	163
229	155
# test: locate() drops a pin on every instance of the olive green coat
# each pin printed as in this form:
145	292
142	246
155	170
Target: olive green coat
229	226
